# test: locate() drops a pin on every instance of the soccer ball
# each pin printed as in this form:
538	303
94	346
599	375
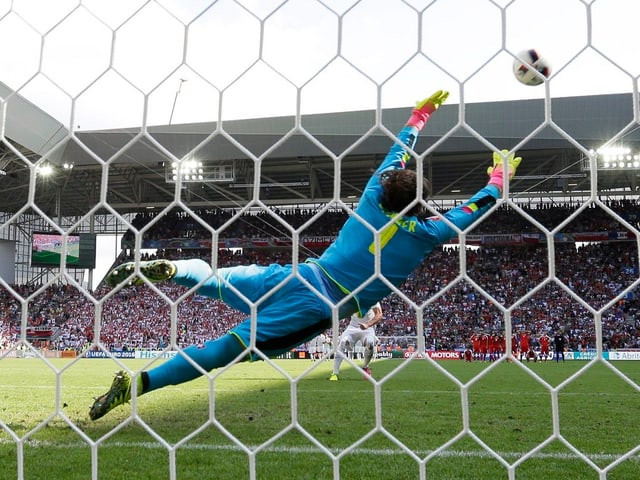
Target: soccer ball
526	75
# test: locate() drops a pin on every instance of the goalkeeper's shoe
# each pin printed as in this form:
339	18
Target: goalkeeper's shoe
119	393
334	377
155	271
367	371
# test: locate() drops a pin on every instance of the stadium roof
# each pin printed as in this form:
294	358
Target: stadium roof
298	163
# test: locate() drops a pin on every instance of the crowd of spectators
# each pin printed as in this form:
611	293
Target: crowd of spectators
452	308
230	223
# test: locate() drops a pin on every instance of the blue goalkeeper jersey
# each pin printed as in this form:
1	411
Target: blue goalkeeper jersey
351	260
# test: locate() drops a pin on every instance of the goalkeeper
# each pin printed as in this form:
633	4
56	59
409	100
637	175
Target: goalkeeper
289	312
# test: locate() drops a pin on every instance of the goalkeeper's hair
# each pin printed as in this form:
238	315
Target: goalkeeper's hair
399	187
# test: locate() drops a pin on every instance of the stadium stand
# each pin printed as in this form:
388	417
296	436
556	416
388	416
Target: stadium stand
62	318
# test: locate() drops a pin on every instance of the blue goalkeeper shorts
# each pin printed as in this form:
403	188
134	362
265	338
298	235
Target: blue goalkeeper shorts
288	311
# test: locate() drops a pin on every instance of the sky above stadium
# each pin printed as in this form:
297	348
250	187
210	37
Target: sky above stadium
96	65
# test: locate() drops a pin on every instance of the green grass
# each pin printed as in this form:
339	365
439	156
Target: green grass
420	410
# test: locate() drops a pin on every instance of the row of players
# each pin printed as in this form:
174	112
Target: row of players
359	339
489	347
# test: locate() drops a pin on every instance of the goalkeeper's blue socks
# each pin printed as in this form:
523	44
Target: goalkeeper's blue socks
215	354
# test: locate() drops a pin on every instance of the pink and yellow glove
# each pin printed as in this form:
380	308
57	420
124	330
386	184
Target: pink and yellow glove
496	171
425	108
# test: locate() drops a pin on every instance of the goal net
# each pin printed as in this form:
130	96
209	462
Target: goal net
244	132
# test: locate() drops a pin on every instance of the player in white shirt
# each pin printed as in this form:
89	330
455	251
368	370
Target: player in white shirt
360	329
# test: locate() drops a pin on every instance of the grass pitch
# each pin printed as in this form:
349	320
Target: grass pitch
288	421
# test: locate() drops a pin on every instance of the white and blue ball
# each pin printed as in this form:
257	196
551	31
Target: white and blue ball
531	68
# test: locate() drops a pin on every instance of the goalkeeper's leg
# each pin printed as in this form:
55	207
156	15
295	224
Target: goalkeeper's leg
215	354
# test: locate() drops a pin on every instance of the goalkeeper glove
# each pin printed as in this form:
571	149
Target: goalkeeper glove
496	171
425	108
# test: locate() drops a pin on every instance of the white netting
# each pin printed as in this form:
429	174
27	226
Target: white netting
100	66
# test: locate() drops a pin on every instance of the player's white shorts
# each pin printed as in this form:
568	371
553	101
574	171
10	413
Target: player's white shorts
352	335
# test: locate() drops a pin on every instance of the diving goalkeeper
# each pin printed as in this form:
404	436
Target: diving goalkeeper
291	313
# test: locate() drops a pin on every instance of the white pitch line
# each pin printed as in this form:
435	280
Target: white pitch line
310	450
